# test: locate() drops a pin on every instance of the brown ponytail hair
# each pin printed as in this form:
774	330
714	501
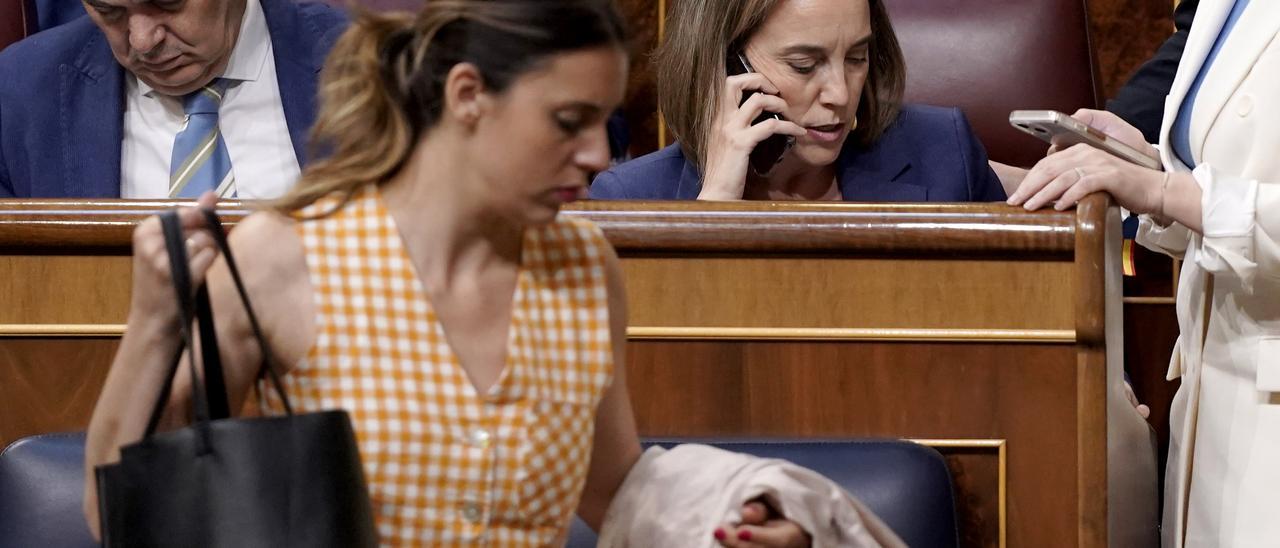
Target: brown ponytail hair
382	85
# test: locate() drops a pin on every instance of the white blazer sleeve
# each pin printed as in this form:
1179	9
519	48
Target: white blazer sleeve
1241	226
1171	240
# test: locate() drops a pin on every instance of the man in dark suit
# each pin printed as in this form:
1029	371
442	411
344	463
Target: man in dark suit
97	107
1141	101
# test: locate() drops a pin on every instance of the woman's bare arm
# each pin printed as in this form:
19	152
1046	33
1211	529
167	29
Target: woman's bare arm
151	338
617	446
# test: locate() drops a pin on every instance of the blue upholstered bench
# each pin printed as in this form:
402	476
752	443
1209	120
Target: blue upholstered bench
907	485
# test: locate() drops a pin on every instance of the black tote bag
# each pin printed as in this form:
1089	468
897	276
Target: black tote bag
288	481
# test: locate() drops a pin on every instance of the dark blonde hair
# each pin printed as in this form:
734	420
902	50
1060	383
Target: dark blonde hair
691	68
382	87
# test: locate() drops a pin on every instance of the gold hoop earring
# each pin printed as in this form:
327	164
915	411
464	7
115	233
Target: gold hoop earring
854	125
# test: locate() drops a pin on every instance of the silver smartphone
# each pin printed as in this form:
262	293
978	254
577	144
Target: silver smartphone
1064	131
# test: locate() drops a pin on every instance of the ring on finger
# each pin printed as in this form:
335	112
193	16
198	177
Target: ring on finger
1079	174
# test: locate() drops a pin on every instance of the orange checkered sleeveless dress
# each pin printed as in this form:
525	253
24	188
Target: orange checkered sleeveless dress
447	466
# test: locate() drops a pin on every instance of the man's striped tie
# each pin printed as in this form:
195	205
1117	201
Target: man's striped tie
200	160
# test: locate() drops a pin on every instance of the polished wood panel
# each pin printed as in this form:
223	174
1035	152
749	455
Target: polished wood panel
1023	394
100	226
884	293
1091	376
955	230
837	389
50	384
798	387
1123	33
53	289
699	394
953	322
959	230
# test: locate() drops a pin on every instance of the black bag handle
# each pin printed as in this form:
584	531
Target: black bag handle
180	275
268	358
215	384
209	398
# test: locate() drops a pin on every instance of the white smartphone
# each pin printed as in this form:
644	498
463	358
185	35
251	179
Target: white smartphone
1064	131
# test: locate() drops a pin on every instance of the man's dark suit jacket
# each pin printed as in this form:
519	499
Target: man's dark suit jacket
62	100
52	13
928	155
1141	101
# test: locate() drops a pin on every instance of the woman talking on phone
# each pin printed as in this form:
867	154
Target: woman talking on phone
1216	206
797	100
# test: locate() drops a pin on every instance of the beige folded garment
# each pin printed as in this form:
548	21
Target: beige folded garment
678	497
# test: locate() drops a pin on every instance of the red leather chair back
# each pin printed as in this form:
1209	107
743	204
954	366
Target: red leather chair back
990	57
17	20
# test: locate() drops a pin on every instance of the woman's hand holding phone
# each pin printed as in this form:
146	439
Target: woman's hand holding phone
733	137
1115	127
1065	177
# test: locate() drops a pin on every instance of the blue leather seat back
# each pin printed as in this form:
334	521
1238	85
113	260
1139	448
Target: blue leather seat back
41	486
906	484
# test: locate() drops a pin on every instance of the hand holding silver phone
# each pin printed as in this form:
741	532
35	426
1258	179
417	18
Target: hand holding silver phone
1064	131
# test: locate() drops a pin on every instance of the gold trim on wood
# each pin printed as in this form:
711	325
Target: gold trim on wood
1148	300
61	330
1055	336
999	446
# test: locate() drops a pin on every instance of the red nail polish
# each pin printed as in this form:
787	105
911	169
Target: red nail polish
744	535
719	534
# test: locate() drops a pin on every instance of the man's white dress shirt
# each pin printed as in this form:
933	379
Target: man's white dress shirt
251	119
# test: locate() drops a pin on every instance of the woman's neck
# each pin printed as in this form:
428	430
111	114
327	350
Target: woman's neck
790	181
447	231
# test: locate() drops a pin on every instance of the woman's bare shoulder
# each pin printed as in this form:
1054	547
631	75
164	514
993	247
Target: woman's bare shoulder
268	252
263	231
269	255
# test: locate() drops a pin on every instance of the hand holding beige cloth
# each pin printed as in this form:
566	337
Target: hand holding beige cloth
677	497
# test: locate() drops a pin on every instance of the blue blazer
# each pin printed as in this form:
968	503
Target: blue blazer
62	100
928	155
51	13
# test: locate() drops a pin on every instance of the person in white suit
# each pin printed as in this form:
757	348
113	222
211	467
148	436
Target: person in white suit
1216	206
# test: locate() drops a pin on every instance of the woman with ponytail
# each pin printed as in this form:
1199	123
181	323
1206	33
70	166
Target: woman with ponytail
420	279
